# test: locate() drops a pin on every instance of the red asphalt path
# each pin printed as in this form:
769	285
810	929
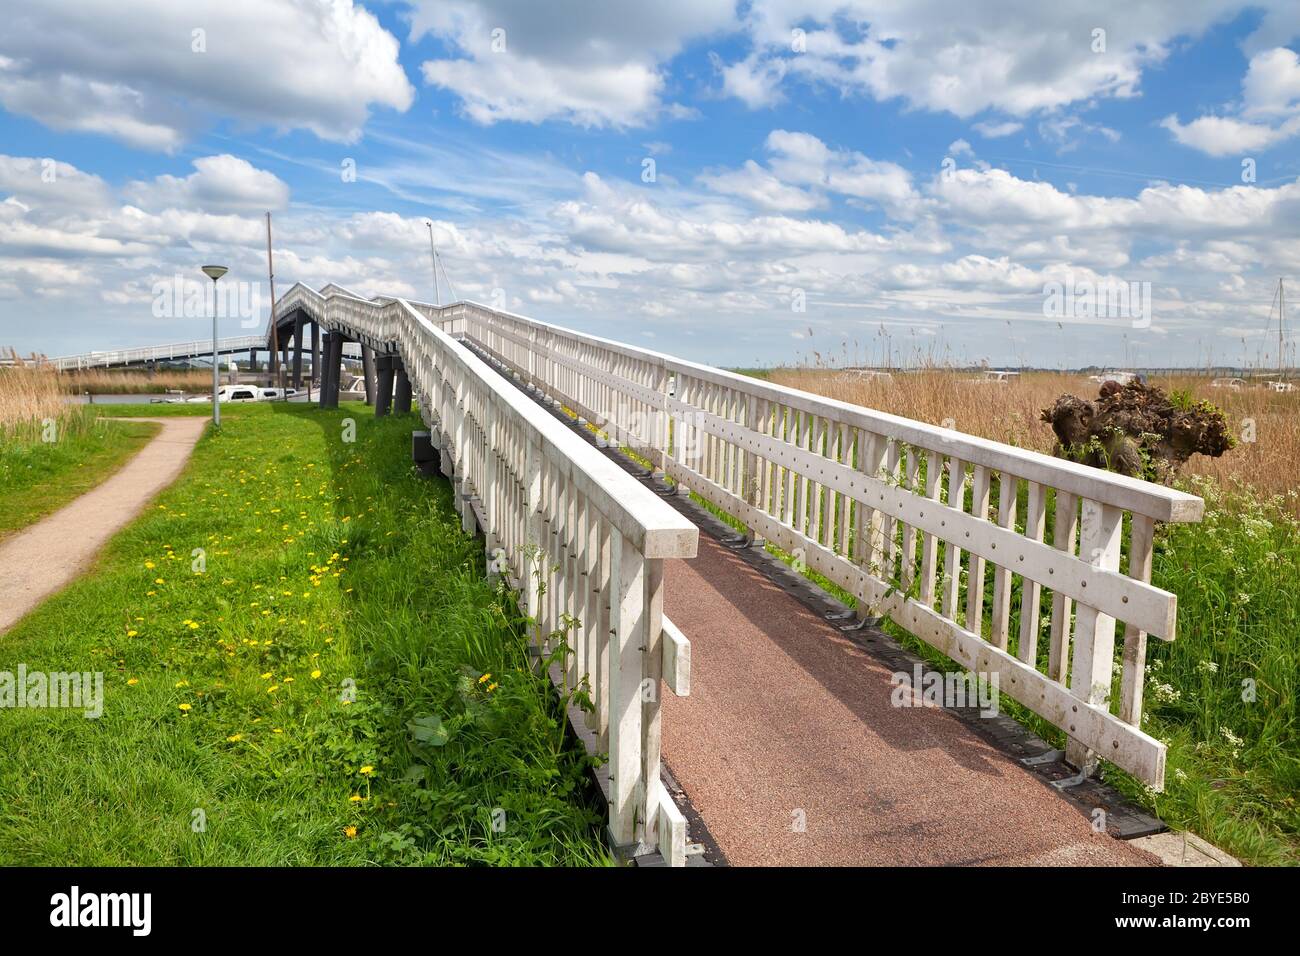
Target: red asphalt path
789	721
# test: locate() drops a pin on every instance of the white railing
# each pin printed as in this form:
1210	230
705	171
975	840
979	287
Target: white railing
158	353
897	513
552	505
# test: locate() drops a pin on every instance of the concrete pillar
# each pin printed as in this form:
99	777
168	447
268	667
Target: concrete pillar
284	346
325	376
401	389
368	372
315	352
252	360
384	384
335	361
297	350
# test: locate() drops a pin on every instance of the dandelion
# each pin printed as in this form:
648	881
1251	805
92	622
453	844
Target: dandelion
273	688
349	832
235	738
185	707
355	798
315	675
132	682
492	686
485	677
149	565
182	683
159	581
367	770
132	633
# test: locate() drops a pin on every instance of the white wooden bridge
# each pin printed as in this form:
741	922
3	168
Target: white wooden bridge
1018	566
943	533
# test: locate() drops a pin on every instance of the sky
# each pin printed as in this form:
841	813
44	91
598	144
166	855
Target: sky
1110	182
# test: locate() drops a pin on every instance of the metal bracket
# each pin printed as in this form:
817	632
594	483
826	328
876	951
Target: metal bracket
1049	756
1066	782
860	625
844	615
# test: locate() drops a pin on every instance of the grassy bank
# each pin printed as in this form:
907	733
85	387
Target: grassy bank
330	680
42	467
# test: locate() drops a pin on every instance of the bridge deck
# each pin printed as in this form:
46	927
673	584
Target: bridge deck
787	714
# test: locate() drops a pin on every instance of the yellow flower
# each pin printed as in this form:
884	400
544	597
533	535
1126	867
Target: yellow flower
158	581
132	682
267	675
235	738
485	677
492	686
355	798
132	633
149	565
184	707
277	730
349	832
273	688
315	675
182	683
194	625
367	770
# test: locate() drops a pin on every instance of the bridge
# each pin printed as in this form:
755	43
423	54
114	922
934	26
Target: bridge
779	715
197	350
662	522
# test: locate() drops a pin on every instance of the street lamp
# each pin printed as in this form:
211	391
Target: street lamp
214	273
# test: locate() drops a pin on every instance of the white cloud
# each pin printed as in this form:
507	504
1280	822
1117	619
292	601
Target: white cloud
961	57
132	71
588	64
755	184
992	130
1270	95
222	183
1224	136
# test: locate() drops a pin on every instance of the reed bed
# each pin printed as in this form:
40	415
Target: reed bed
1265	423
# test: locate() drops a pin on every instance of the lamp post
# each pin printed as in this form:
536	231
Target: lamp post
214	273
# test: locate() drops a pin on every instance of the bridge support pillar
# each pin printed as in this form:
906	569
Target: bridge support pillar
384	386
401	389
329	389
315	352
297	351
368	372
252	360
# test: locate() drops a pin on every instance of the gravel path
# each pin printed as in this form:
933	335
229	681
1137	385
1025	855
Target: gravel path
789	721
45	557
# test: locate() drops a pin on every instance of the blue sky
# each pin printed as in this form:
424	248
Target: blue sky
851	182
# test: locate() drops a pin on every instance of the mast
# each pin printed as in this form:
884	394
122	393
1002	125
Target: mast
433	257
275	324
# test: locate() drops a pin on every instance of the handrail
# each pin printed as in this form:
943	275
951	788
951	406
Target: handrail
196	347
555	510
1132	494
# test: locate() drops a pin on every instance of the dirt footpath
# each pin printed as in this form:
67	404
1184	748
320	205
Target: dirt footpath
45	557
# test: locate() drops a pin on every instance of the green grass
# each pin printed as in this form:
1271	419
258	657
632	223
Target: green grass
330	566
38	477
1224	694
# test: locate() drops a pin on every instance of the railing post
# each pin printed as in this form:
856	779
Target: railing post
652	669
1094	633
629	626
